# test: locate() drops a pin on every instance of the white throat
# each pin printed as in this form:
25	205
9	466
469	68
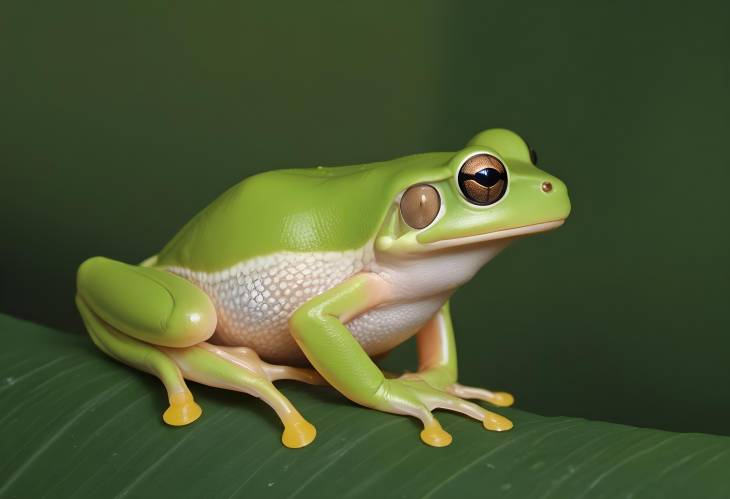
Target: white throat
422	275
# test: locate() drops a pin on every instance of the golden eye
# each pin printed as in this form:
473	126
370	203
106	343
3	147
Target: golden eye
483	179
419	205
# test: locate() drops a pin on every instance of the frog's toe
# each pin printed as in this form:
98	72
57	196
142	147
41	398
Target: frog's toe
435	436
503	399
495	422
490	420
183	410
500	399
298	433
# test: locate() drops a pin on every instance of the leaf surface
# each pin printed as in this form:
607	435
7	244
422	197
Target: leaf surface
74	423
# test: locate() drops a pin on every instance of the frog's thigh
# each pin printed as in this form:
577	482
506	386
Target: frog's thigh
148	304
242	370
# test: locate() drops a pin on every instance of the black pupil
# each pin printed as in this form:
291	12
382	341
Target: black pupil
488	176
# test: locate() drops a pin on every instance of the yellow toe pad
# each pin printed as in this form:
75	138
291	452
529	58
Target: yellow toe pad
503	399
180	414
435	436
299	433
495	422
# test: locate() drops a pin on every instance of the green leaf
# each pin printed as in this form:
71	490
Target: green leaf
76	423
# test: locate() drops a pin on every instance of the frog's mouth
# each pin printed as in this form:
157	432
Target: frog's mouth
496	235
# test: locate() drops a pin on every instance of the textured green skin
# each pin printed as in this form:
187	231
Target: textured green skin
315	210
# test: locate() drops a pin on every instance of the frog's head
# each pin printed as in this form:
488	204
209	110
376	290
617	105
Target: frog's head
490	190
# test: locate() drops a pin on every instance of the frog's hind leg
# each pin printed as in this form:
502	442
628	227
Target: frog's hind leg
130	311
145	357
242	370
158	322
273	372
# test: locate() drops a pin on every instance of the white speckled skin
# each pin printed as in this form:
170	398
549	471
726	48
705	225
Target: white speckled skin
255	299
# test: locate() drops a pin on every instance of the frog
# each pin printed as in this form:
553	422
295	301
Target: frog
314	274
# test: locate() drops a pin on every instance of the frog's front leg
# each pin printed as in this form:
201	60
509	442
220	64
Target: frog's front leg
319	328
437	362
158	322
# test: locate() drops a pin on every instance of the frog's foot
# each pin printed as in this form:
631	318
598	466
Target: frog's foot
242	370
415	397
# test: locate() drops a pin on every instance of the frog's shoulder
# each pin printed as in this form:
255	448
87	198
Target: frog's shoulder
296	210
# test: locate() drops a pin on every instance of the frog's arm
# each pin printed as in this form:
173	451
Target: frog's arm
437	361
319	328
437	349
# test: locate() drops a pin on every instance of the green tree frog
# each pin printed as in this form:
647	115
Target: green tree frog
310	274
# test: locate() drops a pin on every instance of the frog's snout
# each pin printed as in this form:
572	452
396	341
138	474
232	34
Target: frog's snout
552	186
556	196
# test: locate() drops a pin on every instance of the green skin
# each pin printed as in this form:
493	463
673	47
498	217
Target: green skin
159	322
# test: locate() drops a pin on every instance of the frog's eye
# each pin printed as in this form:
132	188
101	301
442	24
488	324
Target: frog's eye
483	179
419	205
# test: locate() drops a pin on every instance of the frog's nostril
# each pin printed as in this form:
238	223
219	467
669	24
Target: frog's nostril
546	186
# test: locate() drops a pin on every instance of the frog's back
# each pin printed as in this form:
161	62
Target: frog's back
295	210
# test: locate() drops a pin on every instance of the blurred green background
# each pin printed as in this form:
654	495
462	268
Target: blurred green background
119	121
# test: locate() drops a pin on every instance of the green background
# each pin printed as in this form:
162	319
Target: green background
120	121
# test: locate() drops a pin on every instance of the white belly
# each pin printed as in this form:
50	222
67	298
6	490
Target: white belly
254	301
381	329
